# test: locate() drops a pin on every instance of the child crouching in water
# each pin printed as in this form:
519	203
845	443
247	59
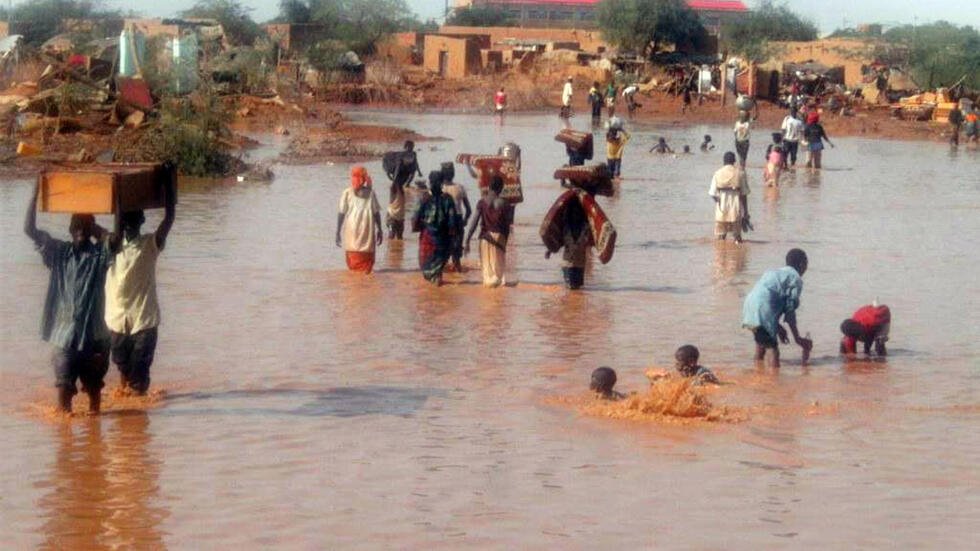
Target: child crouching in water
686	364
603	381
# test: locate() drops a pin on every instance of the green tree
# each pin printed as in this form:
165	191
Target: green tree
480	16
359	24
239	26
643	26
39	20
749	35
940	54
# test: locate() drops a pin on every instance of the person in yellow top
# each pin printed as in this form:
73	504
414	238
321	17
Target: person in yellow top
132	313
616	139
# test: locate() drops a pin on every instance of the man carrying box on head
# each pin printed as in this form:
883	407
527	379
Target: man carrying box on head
132	313
73	310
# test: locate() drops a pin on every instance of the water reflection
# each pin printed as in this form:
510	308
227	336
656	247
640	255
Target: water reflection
730	259
102	487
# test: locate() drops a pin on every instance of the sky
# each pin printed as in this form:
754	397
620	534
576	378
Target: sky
827	14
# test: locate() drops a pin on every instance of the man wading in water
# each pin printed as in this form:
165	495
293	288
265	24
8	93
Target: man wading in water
73	320
463	209
131	309
400	172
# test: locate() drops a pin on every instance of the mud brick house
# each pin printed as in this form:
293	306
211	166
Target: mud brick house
454	56
581	14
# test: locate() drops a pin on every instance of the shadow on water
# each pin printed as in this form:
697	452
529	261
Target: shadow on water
333	402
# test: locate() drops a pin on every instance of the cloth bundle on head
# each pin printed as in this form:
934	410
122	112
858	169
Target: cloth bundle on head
359	177
812	117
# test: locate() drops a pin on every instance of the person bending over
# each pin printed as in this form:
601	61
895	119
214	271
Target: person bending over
776	296
869	324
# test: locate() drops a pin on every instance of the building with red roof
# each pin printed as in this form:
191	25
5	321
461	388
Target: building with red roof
580	14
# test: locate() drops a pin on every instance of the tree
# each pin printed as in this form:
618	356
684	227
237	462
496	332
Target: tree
940	54
643	26
481	16
749	35
39	20
359	24
239	26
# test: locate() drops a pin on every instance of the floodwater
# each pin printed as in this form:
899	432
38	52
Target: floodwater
308	408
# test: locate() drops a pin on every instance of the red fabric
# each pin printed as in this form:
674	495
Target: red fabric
813	118
360	261
500	99
871	318
359	177
135	91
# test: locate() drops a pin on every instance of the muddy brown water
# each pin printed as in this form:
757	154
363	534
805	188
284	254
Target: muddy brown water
309	408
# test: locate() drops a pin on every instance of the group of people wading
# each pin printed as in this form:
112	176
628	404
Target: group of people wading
440	218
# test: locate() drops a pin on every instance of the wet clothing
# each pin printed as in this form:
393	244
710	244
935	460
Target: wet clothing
496	218
792	129
75	304
500	101
616	141
88	365
742	133
814	135
792	150
133	355
437	223
701	375
458	193
566	95
576	248
776	294
359	232
574	277
876	323
131	288
595	100
728	185
360	261
764	339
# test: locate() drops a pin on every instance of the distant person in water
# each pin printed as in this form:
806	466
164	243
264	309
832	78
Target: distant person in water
495	215
776	296
436	221
132	313
730	190
815	136
869	324
595	102
576	240
566	99
611	91
602	383
661	147
616	139
775	160
400	173
500	101
687	150
706	145
955	124
463	209
74	317
359	222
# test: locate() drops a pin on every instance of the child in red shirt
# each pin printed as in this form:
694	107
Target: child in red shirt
869	324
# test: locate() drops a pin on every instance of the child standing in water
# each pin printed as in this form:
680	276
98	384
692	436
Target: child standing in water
576	240
776	295
616	139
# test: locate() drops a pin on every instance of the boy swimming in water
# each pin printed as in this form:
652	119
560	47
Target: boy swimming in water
706	145
603	381
661	147
686	359
686	364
